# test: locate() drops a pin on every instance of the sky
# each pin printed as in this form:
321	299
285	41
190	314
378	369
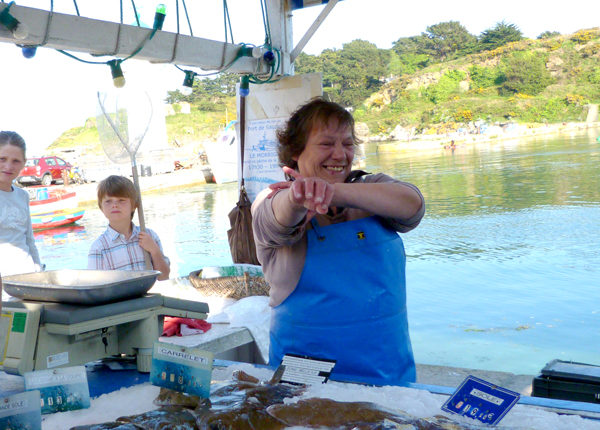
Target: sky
50	93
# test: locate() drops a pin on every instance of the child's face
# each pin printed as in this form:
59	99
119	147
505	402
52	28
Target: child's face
117	209
12	162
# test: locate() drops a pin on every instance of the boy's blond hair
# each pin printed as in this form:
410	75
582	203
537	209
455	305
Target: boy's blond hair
118	186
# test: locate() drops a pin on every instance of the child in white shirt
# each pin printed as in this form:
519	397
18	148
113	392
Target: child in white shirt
18	253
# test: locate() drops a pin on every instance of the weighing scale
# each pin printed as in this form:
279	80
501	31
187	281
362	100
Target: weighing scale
68	328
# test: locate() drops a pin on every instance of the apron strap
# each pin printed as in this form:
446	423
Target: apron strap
317	229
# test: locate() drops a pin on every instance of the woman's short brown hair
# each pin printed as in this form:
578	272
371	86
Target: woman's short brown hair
118	186
317	112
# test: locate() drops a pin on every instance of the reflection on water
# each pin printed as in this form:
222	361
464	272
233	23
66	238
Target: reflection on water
502	272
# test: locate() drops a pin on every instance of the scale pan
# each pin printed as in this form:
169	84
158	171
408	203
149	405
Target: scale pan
84	287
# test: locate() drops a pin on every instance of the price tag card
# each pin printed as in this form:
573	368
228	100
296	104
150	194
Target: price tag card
21	411
63	389
187	370
300	369
481	400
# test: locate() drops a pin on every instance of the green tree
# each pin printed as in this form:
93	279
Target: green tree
408	45
447	40
351	74
208	93
548	34
501	34
409	55
406	64
525	73
362	67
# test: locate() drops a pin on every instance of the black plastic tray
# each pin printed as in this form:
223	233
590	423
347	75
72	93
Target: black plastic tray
572	370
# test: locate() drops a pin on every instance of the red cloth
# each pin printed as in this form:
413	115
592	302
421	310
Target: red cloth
172	325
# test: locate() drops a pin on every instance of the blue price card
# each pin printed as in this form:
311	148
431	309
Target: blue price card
187	370
481	400
62	389
21	411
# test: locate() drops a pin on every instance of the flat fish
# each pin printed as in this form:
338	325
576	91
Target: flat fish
246	403
167	418
113	425
242	404
167	397
331	414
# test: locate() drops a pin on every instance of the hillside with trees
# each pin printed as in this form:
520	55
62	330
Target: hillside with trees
443	78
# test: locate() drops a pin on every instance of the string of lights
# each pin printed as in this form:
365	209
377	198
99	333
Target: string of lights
266	54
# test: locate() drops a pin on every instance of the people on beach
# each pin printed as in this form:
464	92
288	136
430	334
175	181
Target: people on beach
18	253
122	245
329	246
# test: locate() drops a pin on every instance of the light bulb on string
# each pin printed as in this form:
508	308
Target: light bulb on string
245	86
269	58
159	16
19	29
28	51
188	83
257	52
117	73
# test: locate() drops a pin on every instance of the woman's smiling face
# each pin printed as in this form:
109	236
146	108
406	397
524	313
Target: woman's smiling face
328	153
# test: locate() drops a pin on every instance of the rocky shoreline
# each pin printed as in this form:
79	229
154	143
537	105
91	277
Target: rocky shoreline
435	141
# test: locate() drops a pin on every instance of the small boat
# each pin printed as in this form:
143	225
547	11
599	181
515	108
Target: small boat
51	199
222	157
56	218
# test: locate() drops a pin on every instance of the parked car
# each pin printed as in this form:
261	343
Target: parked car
43	170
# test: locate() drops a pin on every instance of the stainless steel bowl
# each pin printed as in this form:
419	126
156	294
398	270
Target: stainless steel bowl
86	287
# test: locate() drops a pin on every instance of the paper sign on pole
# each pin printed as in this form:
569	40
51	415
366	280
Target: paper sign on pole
267	108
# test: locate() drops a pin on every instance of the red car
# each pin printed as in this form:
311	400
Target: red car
43	170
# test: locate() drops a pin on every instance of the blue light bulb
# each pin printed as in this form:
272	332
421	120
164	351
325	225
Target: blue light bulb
29	51
245	86
269	57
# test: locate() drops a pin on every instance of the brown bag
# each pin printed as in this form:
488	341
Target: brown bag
240	236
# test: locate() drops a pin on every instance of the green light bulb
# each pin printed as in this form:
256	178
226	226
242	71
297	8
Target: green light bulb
159	16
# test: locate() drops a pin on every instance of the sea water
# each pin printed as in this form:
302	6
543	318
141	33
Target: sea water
502	274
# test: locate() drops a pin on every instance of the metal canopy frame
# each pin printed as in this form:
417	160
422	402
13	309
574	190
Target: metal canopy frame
97	37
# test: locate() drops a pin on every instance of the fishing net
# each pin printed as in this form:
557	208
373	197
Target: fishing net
123	119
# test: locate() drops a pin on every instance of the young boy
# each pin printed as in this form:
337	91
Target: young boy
121	245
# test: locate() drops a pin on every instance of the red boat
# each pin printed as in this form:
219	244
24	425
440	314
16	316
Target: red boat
51	199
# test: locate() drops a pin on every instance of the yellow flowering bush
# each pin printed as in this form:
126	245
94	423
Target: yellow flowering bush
574	99
583	36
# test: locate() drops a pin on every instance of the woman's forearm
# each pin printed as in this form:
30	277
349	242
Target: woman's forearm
392	200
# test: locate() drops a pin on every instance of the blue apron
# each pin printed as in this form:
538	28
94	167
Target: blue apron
349	305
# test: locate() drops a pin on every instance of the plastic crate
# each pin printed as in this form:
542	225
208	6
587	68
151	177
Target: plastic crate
568	380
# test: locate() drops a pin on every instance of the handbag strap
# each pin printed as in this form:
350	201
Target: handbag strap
242	133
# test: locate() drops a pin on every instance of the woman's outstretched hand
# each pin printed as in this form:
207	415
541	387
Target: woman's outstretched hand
315	194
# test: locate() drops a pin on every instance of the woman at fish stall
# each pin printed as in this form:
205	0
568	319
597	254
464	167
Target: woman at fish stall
18	253
329	246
